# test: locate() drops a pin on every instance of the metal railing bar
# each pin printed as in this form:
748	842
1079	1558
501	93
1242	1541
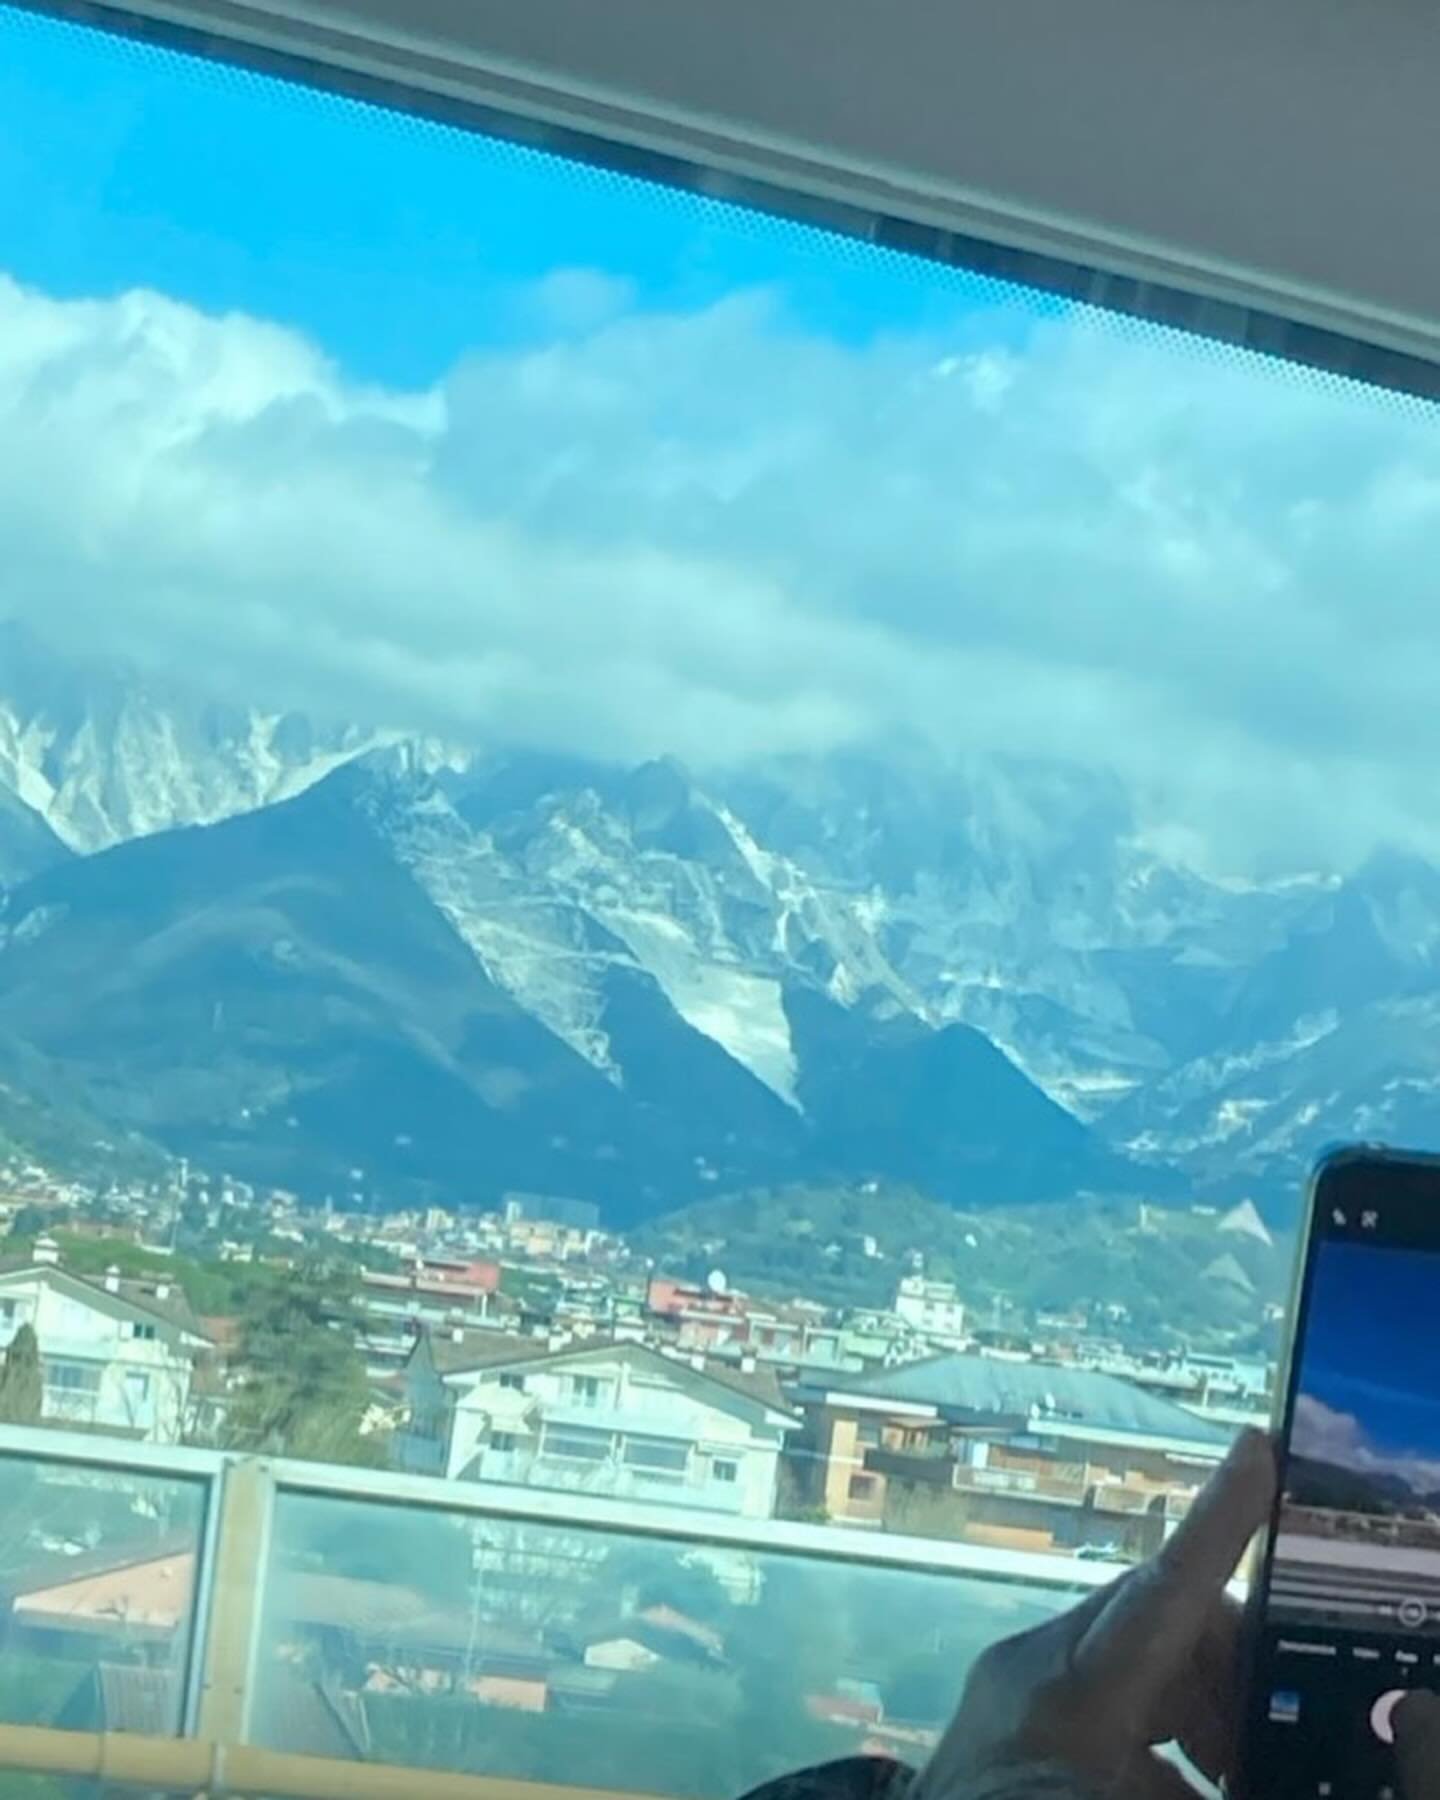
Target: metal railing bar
196	1766
43	1443
554	1508
599	1513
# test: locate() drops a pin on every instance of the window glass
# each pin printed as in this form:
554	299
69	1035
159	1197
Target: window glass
798	843
657	1454
510	1649
577	1445
98	1567
80	1378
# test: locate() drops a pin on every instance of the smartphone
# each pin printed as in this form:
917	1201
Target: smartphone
1345	1614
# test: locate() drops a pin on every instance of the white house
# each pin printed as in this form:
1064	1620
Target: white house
115	1355
599	1416
931	1307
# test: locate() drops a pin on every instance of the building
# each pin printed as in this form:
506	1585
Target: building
408	1642
723	1320
57	1607
700	1317
394	1308
930	1307
550	1240
879	1340
553	1209
1228	1390
1021	1455
116	1356
596	1416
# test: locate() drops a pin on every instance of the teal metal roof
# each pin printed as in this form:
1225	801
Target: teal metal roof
968	1386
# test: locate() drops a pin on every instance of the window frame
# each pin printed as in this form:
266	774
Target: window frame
577	1434
661	1469
54	1367
1262	317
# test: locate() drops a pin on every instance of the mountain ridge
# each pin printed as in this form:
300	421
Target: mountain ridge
1221	1029
27	843
278	995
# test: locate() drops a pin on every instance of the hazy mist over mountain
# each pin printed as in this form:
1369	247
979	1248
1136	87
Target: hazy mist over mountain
301	950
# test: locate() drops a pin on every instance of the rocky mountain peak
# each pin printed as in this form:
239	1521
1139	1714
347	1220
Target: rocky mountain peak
1225	1028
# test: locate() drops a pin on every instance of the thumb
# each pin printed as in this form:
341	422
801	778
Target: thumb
1417	1745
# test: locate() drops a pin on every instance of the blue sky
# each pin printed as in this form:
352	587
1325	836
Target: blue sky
604	469
1371	1348
395	243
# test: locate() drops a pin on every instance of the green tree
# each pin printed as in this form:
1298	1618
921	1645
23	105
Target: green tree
303	1390
30	1222
22	1385
430	1552
641	1575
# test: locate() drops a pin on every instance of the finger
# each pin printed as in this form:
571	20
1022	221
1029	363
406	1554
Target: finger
1155	1621
1417	1745
1232	1506
1046	1651
1202	1712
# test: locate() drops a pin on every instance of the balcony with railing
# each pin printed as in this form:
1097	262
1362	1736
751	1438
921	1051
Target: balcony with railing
186	1621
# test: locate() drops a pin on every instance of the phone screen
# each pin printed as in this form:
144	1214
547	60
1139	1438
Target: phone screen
1347	1613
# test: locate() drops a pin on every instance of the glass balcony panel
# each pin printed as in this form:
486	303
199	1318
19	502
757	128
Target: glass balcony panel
97	1586
571	1654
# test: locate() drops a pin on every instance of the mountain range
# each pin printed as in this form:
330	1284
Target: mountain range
1331	1486
359	962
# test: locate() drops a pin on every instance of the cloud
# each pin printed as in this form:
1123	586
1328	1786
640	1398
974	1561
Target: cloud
716	534
1327	1434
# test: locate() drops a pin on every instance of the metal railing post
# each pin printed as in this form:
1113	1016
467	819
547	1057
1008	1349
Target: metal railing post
231	1625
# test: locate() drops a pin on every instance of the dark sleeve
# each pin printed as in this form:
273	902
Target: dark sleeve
849	1778
878	1778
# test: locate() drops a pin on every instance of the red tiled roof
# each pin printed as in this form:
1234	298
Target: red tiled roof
222	1331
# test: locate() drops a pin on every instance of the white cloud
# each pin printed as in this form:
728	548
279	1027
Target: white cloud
1325	1433
714	534
1329	1435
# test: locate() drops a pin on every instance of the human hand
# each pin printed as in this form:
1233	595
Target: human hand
1149	1659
